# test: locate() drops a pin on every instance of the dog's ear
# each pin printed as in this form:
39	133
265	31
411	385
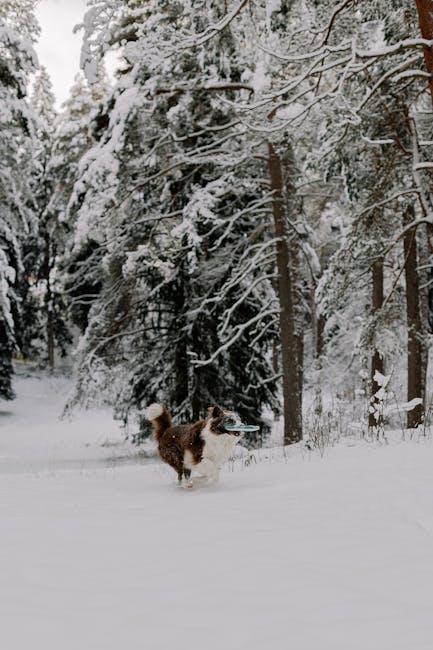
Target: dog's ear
215	411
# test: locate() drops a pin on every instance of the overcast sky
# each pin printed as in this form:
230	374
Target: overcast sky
58	48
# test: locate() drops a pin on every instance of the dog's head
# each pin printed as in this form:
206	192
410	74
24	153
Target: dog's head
218	419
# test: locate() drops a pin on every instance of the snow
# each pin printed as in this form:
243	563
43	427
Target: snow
33	438
293	550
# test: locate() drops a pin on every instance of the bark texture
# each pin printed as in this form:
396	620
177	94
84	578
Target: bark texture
425	16
416	356
289	343
46	274
288	166
377	362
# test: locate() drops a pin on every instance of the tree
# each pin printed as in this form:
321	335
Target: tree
18	31
71	135
187	228
48	310
289	347
186	311
416	365
359	67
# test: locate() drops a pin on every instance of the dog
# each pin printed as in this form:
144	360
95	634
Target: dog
202	446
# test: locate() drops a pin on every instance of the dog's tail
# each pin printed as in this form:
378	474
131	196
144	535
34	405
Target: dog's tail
160	417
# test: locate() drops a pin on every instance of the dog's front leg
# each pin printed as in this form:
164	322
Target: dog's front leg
187	482
208	470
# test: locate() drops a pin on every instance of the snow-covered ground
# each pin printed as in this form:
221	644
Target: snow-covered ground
33	438
299	552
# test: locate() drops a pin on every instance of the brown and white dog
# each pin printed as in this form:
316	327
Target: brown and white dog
203	446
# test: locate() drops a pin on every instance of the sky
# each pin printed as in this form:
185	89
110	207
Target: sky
59	49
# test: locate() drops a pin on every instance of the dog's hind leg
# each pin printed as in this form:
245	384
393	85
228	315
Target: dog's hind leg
184	477
187	480
172	457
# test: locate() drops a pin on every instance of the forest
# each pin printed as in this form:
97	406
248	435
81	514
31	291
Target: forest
231	217
241	215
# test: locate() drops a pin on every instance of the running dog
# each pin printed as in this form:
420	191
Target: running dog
202	446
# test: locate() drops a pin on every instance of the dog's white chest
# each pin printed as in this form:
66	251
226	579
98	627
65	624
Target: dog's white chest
218	448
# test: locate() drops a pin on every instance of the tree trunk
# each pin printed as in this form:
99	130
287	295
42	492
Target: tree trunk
275	346
49	302
298	307
6	368
377	360
319	332
425	16
425	278
50	335
289	175
289	348
318	326
416	357
181	388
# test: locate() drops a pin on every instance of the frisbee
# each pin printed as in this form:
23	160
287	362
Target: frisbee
242	427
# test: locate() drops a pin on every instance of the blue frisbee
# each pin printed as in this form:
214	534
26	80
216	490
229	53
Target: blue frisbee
242	427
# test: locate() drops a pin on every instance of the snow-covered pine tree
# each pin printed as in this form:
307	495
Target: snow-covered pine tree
76	130
46	248
319	79
18	31
273	28
173	195
370	105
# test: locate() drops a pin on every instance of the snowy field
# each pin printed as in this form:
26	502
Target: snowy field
302	552
34	439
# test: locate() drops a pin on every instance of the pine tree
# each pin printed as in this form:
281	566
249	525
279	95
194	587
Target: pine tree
357	78
171	253
47	247
384	158
18	30
76	131
173	195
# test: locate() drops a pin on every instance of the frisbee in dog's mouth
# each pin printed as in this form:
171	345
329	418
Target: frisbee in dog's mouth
241	428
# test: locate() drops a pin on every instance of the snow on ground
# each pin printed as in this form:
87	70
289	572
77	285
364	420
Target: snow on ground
300	552
33	438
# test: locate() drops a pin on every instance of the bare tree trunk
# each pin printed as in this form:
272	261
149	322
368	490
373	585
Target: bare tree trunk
289	348
425	278
181	392
298	307
425	15
377	360
289	176
318	326
416	357
275	345
321	322
50	333
49	303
